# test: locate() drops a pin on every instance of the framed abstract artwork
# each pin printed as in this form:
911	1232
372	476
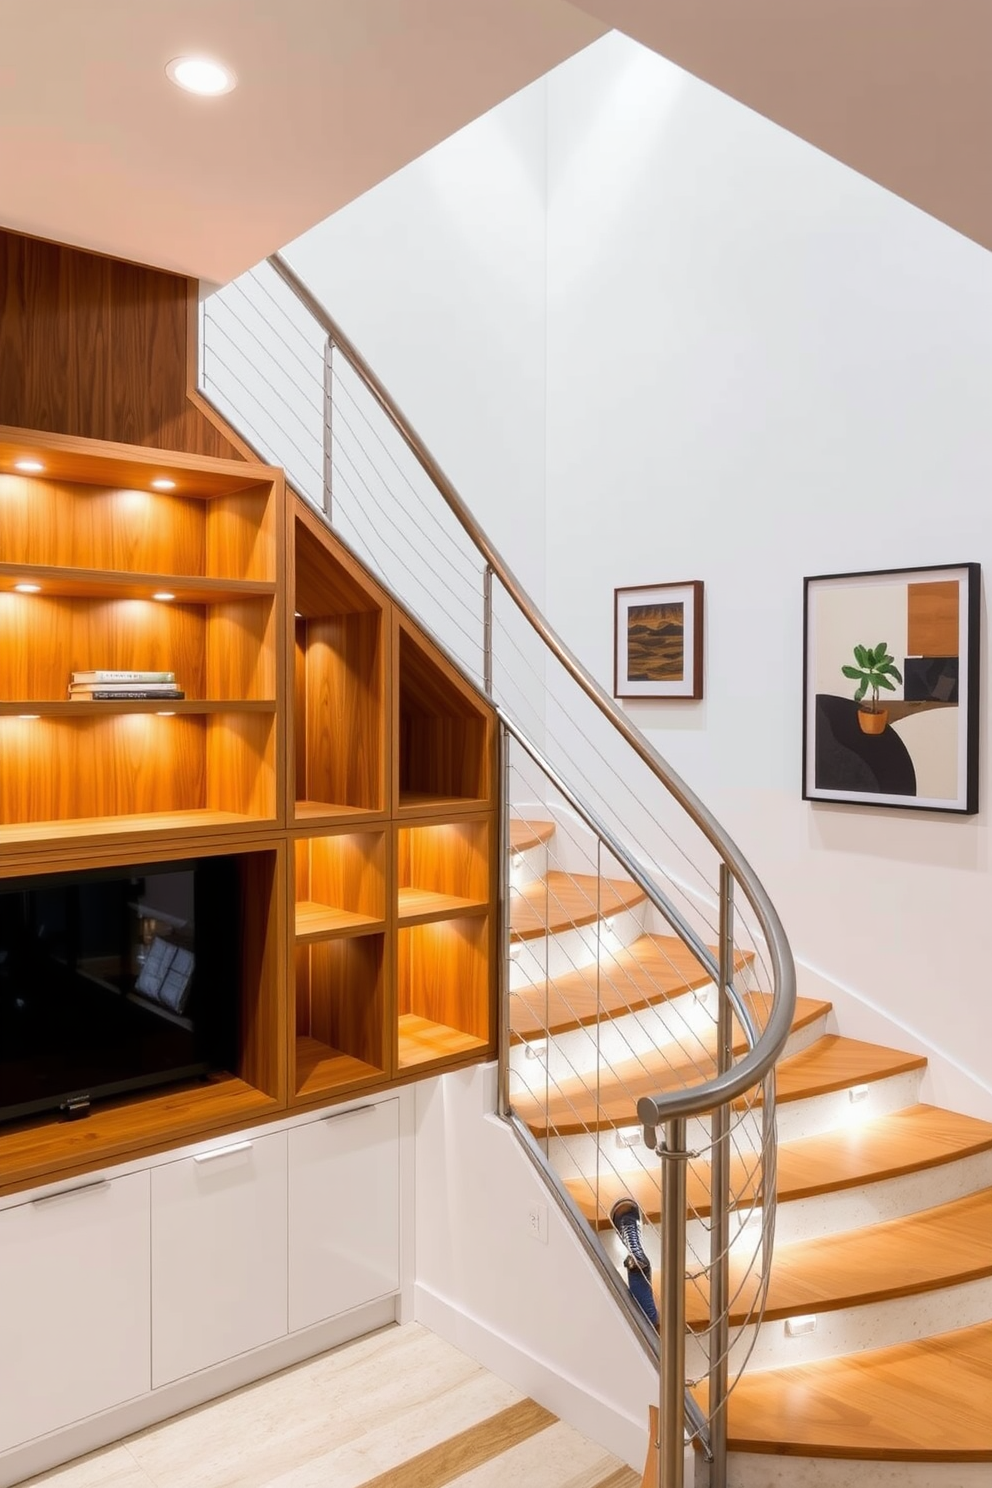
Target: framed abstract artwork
891	685
658	641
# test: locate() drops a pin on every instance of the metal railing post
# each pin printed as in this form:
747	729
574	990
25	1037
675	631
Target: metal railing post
503	924
671	1449
328	421
719	1330
487	629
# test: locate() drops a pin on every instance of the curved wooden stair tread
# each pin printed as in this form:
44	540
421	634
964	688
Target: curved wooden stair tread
944	1246
830	1063
566	901
924	1401
653	970
907	1141
525	834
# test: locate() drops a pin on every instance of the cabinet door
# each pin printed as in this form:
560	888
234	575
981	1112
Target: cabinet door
218	1255
74	1305
344	1240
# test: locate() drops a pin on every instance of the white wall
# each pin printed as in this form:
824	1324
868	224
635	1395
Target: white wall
505	1298
438	276
762	366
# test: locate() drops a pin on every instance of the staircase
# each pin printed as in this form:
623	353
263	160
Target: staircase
837	1270
876	1340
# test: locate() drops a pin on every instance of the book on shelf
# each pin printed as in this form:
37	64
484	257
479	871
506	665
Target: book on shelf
126	694
105	678
112	687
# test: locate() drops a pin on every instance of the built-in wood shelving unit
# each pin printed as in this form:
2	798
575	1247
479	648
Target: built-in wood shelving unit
322	740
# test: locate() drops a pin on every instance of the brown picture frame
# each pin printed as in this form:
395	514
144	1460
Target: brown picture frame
658	641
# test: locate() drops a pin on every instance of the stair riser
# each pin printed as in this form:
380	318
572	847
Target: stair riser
824	1113
614	1041
851	1330
891	1198
754	1470
571	950
632	1034
526	866
577	1154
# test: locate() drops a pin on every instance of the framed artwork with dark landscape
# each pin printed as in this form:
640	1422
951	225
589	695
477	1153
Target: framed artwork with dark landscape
891	681
658	641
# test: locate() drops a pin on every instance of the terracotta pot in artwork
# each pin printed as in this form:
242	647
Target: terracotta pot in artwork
873	722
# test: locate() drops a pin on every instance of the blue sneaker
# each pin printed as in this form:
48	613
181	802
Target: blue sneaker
626	1218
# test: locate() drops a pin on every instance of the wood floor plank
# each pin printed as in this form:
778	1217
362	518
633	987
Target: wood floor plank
944	1246
928	1400
608	1097
564	901
653	969
469	1449
907	1141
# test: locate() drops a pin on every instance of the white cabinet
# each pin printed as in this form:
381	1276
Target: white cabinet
343	1211
74	1305
218	1255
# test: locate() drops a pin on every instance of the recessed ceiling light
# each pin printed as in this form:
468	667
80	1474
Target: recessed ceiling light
201	75
163	595
29	467
163	484
28	588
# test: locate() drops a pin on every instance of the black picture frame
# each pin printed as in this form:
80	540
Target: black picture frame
920	759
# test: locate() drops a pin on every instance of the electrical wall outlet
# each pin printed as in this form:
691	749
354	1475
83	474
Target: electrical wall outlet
537	1222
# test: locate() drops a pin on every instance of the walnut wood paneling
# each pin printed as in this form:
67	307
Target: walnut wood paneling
444	974
444	745
264	1018
100	348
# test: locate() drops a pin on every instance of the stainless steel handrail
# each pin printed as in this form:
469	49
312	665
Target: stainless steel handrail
776	1030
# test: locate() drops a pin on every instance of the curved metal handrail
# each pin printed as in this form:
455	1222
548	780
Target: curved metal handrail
763	1053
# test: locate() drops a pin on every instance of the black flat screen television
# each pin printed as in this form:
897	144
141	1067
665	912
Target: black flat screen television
113	980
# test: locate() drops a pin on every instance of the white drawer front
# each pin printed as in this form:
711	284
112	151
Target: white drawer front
218	1255
74	1305
343	1212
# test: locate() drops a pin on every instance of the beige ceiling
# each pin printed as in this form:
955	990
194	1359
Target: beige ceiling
99	149
899	89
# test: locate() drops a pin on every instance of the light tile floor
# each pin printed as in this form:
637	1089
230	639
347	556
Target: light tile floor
400	1406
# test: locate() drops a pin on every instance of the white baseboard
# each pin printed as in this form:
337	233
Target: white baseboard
94	1432
622	1434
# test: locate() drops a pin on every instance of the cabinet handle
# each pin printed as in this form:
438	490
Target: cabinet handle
205	1157
67	1193
340	1115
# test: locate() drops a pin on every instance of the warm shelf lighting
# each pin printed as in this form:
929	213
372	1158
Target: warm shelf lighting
29	467
28	588
29	717
163	484
163	713
201	75
163	594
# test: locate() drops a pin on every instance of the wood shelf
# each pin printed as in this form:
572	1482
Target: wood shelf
422	1041
30	708
324	1070
422	804
445	742
83	583
327	813
423	906
80	829
321	922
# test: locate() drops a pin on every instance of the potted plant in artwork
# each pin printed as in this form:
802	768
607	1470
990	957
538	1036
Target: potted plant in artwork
874	669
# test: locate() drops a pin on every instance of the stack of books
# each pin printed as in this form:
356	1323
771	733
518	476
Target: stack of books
115	687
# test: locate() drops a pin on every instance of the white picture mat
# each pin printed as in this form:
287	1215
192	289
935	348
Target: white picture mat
664	594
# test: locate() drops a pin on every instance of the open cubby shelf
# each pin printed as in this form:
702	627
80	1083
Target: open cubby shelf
445	735
322	740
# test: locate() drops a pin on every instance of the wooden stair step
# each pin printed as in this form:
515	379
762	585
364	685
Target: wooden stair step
563	901
924	1401
907	1141
608	1097
944	1246
652	970
525	835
